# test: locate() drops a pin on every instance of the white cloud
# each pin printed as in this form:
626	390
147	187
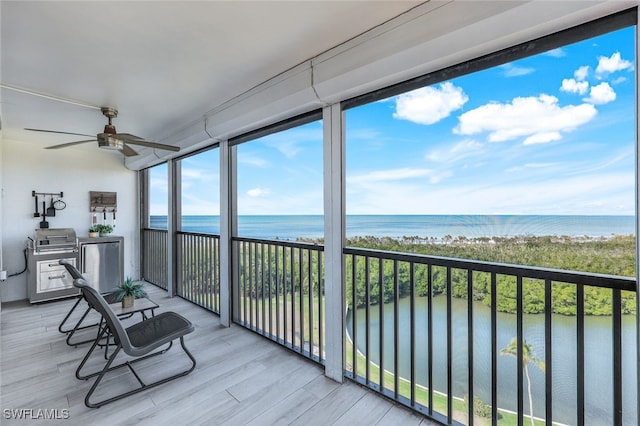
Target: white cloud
308	201
619	80
391	175
428	105
612	64
252	160
511	70
531	166
556	53
581	73
556	195
538	119
543	137
159	184
193	204
461	150
291	142
287	147
378	178
601	94
570	85
258	192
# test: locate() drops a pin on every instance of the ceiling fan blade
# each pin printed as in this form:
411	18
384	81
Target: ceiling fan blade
149	144
128	136
62	133
128	151
64	145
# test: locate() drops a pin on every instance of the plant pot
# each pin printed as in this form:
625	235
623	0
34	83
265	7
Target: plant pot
127	301
94	234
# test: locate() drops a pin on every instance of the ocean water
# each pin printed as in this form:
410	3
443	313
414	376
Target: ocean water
423	226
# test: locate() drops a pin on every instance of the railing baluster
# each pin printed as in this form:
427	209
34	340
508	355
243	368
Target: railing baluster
520	359
184	288
198	282
367	321
310	300
293	295
580	349
211	272
381	321
270	291
285	296
249	275
412	325
245	274
494	349
216	244
430	335
262	297
354	325
396	332
320	315
449	349
301	299
470	343
277	277
617	356
548	360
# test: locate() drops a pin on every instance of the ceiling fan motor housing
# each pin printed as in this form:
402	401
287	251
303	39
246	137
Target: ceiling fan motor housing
108	140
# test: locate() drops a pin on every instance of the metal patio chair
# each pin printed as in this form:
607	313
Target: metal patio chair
140	341
109	297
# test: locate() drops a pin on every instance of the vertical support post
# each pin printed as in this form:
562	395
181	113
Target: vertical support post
227	211
143	216
173	219
176	208
334	240
637	152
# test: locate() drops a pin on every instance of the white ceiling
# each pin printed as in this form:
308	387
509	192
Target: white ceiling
161	64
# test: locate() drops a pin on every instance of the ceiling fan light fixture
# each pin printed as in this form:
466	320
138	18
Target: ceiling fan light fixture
109	141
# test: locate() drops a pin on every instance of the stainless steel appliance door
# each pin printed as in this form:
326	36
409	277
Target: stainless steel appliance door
101	265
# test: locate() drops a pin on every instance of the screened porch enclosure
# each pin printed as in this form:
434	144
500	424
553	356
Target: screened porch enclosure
471	328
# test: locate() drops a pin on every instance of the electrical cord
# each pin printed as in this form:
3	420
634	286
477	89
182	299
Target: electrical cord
25	266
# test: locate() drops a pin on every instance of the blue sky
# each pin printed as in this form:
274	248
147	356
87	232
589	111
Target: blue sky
548	134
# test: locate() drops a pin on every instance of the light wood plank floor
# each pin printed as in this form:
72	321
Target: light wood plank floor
241	378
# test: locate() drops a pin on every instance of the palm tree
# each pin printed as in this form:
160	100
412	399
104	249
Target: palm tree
528	355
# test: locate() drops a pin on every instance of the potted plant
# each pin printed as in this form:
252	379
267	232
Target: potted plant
93	232
128	291
101	229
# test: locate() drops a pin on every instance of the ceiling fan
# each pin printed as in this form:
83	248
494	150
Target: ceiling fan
110	139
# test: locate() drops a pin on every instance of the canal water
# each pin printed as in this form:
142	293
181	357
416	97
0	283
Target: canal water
598	357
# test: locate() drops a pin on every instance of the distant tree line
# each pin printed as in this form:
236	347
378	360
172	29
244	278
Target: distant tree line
614	256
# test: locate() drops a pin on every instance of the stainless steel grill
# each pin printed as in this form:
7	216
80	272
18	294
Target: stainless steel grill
55	240
46	278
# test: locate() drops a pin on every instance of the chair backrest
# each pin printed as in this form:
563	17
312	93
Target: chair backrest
73	271
95	299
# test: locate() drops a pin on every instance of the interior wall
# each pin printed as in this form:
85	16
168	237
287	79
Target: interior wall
74	171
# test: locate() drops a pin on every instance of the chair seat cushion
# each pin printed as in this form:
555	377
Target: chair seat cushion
156	331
